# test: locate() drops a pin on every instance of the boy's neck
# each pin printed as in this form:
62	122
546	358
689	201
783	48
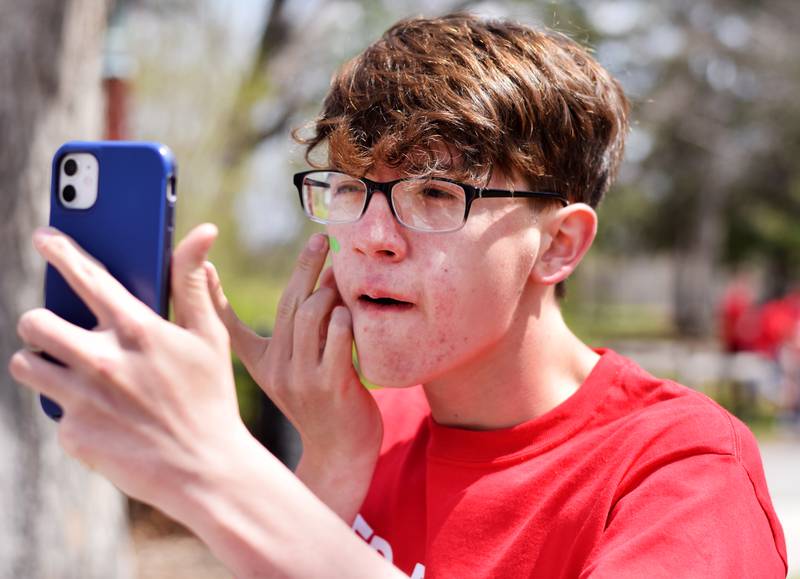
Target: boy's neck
536	366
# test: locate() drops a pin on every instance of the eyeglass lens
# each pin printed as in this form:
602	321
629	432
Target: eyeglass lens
426	204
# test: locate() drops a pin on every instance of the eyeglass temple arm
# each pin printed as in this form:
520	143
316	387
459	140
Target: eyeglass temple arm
506	193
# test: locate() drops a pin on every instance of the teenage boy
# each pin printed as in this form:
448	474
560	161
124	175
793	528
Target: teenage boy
465	159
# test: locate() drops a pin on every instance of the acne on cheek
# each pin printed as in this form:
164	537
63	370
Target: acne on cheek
445	300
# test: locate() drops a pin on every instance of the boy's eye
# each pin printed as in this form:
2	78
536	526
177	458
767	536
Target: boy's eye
348	188
435	193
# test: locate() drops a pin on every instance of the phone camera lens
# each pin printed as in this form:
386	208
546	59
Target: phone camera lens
70	167
68	193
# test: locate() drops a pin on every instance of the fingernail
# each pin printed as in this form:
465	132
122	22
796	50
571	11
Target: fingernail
317	242
40	234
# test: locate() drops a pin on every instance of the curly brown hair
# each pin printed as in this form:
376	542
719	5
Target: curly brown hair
467	97
494	94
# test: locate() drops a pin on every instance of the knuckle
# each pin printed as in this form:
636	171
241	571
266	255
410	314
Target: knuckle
279	391
58	243
134	331
36	326
70	440
26	324
17	365
306	260
278	394
324	294
307	313
86	266
106	367
340	319
32	315
88	274
220	334
275	384
286	308
92	271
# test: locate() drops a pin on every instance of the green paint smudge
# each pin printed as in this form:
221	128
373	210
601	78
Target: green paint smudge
335	247
361	377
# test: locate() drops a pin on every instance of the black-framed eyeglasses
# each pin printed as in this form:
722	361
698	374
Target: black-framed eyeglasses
423	204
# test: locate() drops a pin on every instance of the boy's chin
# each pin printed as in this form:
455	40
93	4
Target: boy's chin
390	364
379	373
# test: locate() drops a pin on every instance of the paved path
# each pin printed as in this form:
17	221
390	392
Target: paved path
782	468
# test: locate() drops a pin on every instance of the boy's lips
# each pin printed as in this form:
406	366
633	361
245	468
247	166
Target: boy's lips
383	300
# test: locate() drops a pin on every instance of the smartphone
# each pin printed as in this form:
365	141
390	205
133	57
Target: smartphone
116	199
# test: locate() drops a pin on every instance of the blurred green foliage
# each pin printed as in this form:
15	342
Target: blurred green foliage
597	325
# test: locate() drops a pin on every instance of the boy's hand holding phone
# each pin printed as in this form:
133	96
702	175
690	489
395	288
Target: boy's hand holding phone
148	403
306	368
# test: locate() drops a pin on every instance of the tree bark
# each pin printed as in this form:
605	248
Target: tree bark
696	266
56	518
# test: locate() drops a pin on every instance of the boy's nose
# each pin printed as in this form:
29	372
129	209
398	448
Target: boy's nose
379	234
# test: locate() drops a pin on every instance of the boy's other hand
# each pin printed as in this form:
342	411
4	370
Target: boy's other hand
306	369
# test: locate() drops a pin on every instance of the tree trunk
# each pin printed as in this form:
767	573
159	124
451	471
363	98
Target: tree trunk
696	266
56	518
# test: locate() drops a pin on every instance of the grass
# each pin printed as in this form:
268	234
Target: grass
600	324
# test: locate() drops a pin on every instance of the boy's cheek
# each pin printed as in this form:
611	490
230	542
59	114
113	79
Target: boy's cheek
444	300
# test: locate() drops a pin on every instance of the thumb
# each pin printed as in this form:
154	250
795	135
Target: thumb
248	345
190	299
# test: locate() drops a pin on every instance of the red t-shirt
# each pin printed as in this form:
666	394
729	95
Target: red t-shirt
632	476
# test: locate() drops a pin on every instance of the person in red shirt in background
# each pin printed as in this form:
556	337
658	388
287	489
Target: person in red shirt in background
777	324
789	362
739	326
739	318
772	330
779	340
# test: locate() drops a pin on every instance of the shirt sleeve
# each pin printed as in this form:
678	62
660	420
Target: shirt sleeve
700	516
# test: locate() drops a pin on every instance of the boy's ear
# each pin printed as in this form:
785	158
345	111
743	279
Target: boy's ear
567	234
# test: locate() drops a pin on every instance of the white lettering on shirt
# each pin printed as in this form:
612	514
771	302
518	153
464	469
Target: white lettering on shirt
381	545
361	527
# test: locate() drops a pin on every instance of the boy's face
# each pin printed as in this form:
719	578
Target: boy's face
457	293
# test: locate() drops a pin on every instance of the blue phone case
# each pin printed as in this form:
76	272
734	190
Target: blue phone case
129	228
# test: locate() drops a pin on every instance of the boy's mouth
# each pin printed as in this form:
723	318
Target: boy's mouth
384	302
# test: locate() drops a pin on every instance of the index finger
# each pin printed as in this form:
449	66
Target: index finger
327	279
301	284
99	290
